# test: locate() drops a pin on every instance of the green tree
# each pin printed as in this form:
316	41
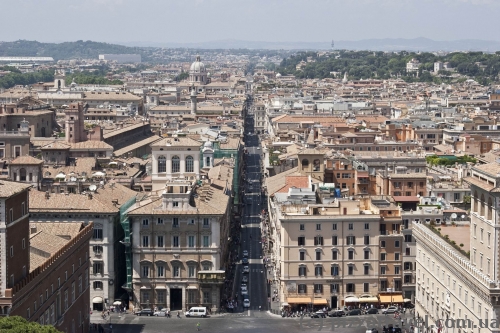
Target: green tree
17	324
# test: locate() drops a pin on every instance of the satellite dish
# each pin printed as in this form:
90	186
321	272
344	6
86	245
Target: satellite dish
453	216
92	188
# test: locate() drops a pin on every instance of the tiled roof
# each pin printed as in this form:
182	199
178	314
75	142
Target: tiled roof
23	160
56	145
493	169
8	189
179	141
91	145
294	181
275	183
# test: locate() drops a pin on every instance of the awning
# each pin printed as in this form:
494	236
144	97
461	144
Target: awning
406	300
410	198
368	300
320	301
298	300
391	299
97	299
351	299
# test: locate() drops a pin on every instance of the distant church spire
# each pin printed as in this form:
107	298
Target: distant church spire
344	80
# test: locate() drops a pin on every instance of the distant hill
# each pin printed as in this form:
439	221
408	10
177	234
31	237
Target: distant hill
386	44
66	50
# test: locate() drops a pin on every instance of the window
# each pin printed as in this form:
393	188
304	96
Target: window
145	241
318	288
350	240
97	233
175	241
334	288
97	249
350	254
23	209
190	241
160	270
396	256
302	227
145	223
318	226
302	270
335	226
318	255
366	240
318	240
396	243
206	297
366	269
335	255
383	256
350	288
176	164
301	240
80	285
11	215
175	204
145	271
206	241
366	287
351	226
97	286
189	164
159	241
397	270
175	222
382	270
366	254
73	296
145	297
191	271
97	266
302	255
350	270
176	271
160	221
334	270
334	240
367	226
12	251
302	288
318	270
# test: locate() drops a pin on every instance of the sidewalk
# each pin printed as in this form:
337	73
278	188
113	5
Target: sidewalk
96	318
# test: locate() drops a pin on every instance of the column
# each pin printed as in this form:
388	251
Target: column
184	298
169	165
167	291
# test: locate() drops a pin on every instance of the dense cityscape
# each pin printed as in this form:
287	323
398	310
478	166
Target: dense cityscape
173	189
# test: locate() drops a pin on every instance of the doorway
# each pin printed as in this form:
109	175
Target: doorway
175	299
333	302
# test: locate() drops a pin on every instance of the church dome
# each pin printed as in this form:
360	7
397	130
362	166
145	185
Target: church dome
208	144
197	66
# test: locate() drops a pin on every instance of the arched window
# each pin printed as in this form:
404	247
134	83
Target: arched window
189	164
22	174
162	164
176	164
305	163
208	161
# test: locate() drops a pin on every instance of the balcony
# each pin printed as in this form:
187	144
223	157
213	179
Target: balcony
211	277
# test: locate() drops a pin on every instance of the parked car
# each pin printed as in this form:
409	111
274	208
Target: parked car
244	279
372	311
372	330
246	269
336	313
318	314
144	312
160	314
197	311
391	309
354	312
245	252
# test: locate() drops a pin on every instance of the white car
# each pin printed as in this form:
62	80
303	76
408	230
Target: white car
246	303
246	269
389	310
244	290
245	253
160	314
258	148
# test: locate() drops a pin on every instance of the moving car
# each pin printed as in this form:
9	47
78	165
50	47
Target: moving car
258	148
244	261
336	313
244	279
246	269
391	309
144	312
371	330
244	289
198	311
318	314
354	312
160	314
245	253
246	303
372	311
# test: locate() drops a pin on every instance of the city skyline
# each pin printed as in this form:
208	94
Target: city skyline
130	21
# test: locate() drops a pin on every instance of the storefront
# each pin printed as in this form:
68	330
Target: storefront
389	299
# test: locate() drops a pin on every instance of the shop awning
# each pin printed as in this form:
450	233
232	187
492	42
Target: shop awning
351	299
298	300
320	301
391	298
97	299
368	300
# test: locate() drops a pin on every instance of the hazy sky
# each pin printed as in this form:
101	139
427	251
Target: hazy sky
164	21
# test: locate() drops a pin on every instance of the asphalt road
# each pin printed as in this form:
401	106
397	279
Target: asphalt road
256	321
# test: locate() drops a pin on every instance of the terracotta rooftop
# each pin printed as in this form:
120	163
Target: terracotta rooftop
294	181
8	189
24	160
